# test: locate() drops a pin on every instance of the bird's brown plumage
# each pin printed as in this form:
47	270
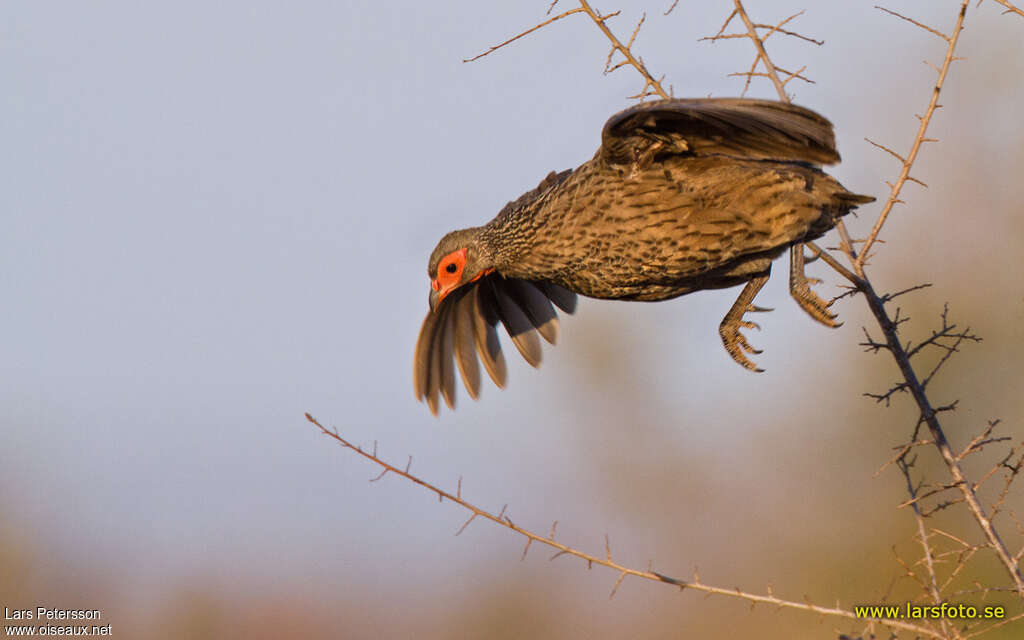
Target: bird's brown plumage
682	195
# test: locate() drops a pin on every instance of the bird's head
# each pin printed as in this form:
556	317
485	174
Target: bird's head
457	259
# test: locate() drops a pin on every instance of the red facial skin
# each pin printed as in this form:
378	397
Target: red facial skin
449	275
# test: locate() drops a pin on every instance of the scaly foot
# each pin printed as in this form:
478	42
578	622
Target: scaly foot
800	289
735	342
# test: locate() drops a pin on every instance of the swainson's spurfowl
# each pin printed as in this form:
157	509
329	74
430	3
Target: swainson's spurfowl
683	195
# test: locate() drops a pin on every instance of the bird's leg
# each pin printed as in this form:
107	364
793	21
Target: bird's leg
800	289
734	341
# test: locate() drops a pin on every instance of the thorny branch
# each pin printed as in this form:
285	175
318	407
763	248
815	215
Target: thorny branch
946	339
651	86
721	35
762	54
772	70
1010	8
902	355
931	585
623	571
525	33
920	138
910	382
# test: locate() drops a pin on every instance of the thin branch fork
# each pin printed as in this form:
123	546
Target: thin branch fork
608	68
606	561
776	28
625	50
771	71
650	83
790	75
1010	8
762	54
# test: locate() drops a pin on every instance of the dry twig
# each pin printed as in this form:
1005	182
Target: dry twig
922	130
1010	7
606	561
651	86
771	69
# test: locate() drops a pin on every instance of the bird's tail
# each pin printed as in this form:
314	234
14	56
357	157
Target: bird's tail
853	199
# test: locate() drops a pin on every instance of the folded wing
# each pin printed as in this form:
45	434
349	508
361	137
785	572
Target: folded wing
758	129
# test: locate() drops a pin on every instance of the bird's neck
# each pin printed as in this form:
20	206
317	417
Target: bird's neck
514	235
509	237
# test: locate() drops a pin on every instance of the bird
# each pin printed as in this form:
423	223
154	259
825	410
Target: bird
683	195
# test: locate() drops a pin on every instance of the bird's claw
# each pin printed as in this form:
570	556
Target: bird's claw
800	289
811	303
736	343
747	324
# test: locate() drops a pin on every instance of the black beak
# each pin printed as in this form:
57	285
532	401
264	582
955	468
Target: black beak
433	300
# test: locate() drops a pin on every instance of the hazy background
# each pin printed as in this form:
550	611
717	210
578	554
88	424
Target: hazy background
217	216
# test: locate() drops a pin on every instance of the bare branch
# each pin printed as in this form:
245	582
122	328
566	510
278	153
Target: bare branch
915	22
887	149
721	35
761	53
892	296
794	34
527	32
932	586
929	417
563	549
599	20
918	140
1010	8
832	262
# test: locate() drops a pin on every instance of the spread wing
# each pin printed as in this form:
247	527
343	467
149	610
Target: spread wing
758	129
465	326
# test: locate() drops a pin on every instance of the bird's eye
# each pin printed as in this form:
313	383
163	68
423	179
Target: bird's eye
451	268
